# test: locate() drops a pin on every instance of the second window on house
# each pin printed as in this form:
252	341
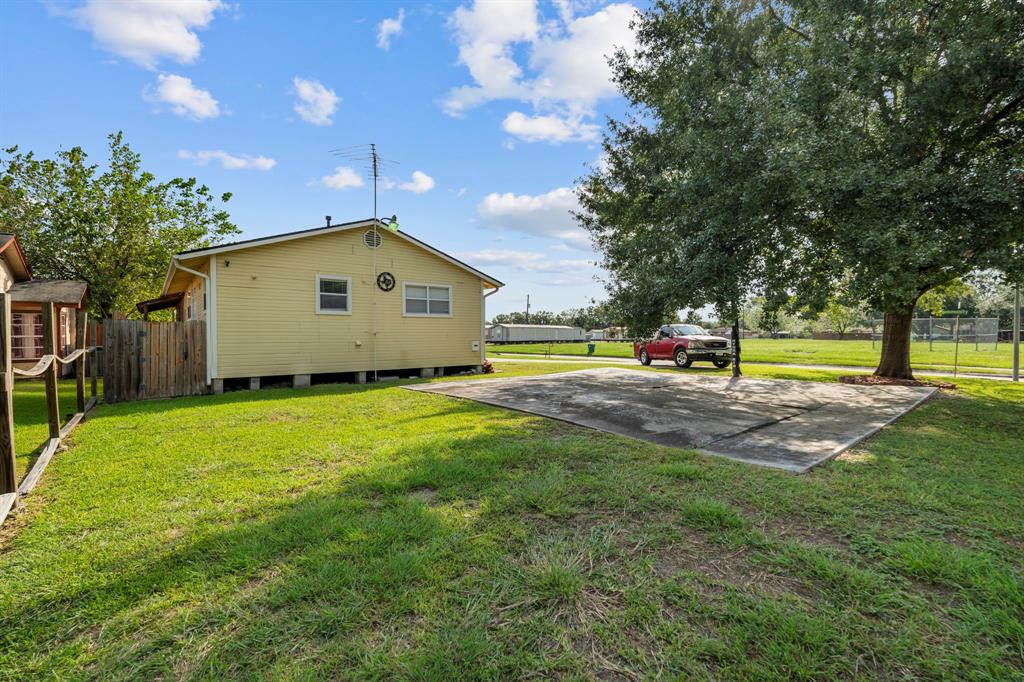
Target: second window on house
428	300
26	336
333	294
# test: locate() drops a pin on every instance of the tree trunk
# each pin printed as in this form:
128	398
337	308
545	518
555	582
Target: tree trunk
736	349
895	360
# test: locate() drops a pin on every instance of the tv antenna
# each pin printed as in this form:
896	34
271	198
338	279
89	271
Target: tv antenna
372	164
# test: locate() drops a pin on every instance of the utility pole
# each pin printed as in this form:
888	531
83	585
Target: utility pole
527	309
1016	332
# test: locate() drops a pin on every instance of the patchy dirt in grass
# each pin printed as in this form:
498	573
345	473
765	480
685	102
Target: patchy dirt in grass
872	380
720	567
281	417
803	532
427	496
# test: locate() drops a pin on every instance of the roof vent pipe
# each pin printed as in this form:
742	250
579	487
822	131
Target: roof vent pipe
328	221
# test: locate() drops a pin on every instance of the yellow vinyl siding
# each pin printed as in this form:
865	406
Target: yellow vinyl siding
6	277
266	309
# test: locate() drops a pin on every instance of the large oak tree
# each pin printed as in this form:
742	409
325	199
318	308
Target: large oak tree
115	228
793	149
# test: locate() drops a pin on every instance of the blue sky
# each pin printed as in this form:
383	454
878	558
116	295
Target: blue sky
491	109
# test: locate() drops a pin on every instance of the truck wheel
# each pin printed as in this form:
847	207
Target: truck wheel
645	359
722	364
682	359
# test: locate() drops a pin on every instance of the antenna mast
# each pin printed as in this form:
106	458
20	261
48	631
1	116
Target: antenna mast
368	155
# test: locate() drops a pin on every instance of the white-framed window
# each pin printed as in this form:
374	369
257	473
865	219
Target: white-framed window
26	336
333	295
426	300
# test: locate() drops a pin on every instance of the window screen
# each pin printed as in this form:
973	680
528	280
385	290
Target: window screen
333	294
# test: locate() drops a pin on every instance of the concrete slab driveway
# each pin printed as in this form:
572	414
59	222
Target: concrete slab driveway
791	425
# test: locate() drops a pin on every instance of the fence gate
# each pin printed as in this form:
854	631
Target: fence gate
153	359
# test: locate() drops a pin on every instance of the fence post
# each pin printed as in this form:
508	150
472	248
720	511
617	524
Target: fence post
94	358
81	326
930	333
50	348
8	477
1016	332
956	344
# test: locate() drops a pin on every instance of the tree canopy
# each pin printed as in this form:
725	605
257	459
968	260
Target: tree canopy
597	315
795	149
116	229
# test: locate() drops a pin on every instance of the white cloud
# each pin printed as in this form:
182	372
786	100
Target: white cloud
228	161
542	215
146	32
574	69
317	103
485	34
344	177
420	183
566	59
549	128
527	261
186	100
389	28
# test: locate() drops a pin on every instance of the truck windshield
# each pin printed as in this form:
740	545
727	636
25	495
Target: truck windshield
689	330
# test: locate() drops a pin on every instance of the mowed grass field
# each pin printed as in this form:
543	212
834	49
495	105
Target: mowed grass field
368	532
808	352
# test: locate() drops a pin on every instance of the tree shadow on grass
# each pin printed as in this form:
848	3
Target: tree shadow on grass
348	568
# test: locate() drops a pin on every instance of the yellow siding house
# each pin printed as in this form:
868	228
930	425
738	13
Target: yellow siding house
349	298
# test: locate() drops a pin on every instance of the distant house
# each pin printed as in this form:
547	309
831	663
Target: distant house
28	295
534	333
344	298
607	334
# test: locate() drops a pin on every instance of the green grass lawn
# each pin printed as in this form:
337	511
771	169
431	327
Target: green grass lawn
31	423
371	532
808	352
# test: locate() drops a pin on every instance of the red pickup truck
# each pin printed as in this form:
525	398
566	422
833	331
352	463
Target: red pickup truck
684	343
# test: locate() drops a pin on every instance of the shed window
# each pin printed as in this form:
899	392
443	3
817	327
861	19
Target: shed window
333	294
428	300
26	336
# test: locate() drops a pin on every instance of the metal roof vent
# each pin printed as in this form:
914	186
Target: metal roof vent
372	239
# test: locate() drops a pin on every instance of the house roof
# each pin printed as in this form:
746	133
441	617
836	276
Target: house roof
15	257
316	231
161	303
63	291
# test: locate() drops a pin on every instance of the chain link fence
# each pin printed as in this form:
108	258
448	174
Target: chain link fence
979	332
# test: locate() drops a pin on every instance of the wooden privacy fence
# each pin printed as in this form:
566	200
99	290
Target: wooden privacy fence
144	359
82	356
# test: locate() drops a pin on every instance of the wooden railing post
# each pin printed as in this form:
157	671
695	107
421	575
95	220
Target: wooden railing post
94	357
50	348
8	475
81	326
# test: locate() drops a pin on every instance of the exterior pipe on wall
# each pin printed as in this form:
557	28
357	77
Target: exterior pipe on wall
483	322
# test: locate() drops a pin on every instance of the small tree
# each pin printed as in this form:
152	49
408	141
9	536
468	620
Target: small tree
935	301
116	229
840	318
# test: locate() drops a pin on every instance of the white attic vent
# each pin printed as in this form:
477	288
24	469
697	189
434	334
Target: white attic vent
372	239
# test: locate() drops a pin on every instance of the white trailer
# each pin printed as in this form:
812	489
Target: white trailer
535	333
